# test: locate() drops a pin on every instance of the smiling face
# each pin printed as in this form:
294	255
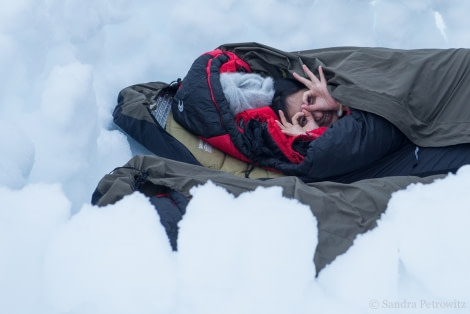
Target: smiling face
322	118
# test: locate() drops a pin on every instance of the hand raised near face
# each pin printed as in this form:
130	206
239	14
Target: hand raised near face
302	122
318	97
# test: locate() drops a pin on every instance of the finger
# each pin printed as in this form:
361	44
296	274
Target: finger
309	108
302	80
295	118
310	74
305	97
307	114
288	133
283	117
308	98
322	76
282	127
310	119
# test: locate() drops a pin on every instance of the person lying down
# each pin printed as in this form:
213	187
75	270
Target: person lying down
373	145
340	121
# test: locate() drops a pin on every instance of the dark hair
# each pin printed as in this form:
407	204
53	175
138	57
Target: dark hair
283	88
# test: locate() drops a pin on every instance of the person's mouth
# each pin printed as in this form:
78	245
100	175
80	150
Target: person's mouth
326	119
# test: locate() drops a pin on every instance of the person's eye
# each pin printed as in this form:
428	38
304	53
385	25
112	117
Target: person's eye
302	121
311	100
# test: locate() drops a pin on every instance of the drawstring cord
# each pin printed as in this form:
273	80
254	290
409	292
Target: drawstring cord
250	169
139	179
416	156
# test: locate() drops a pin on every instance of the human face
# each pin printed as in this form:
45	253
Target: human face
322	118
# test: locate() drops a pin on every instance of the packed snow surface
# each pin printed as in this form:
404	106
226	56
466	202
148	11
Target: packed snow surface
63	64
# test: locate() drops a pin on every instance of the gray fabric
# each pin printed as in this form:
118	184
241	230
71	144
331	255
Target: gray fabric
246	91
342	210
137	95
424	92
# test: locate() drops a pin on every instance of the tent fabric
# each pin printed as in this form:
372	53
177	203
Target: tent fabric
342	210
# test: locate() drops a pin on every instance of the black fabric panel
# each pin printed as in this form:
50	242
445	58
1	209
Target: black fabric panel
352	143
411	160
193	107
430	160
259	145
154	137
415	161
364	145
171	209
95	197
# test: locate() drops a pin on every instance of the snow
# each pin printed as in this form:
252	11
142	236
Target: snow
63	64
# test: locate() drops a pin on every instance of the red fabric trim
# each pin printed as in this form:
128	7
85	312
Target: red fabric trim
284	142
225	144
213	53
233	64
208	74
